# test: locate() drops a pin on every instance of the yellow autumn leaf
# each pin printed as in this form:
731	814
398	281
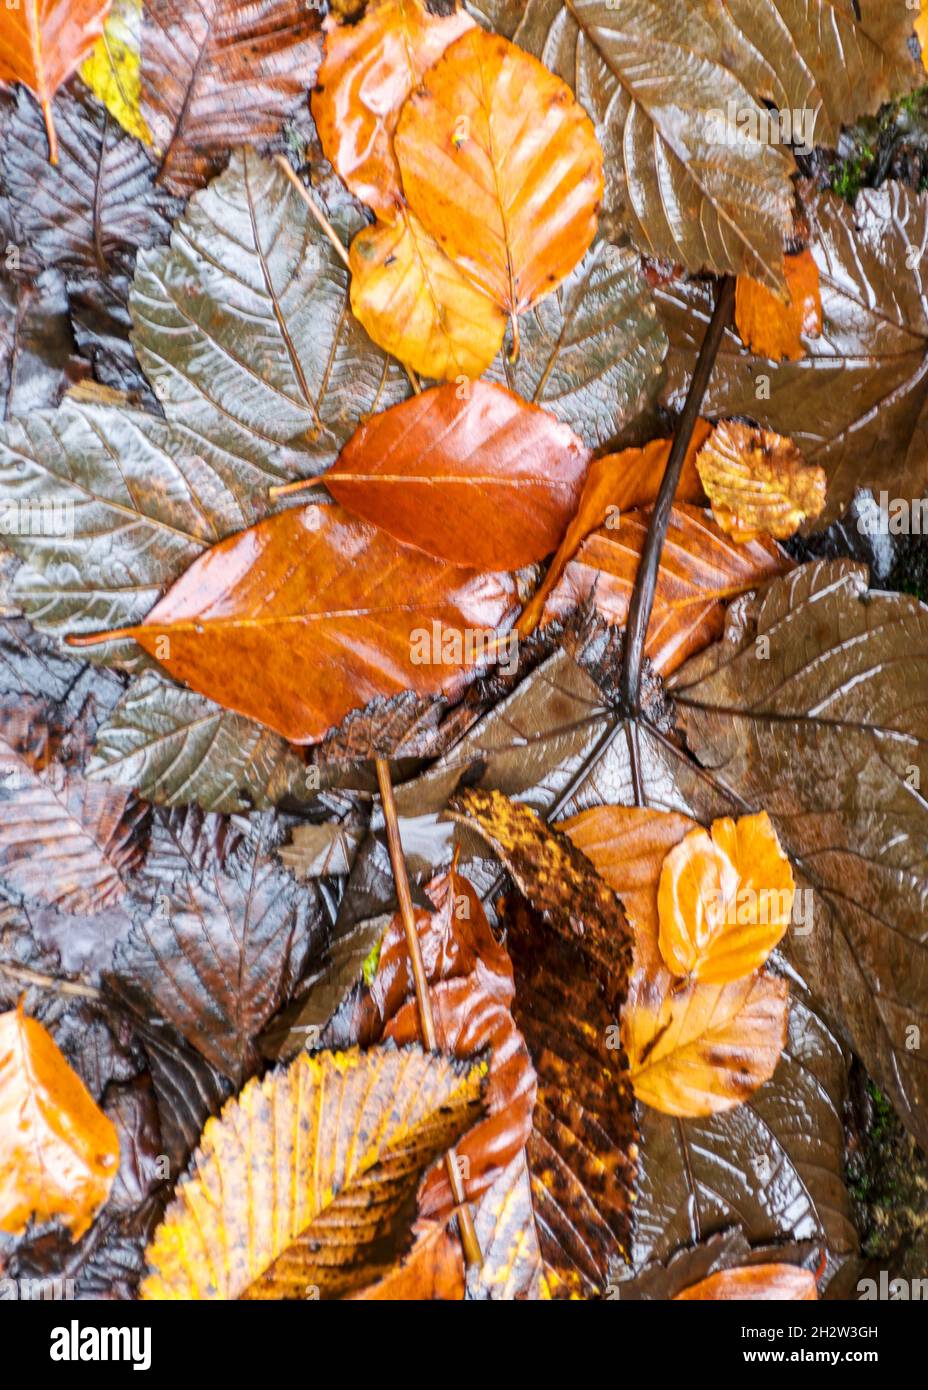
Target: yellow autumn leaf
758	482
724	900
417	304
113	70
59	1153
302	1186
772	327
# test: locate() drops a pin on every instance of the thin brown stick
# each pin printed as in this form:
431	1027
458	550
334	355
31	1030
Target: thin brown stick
33	978
469	1241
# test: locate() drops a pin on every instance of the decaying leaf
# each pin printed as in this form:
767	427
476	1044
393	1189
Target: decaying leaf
58	1152
484	480
262	612
216	74
370	68
502	167
42	42
700	570
758	483
433	1271
775	329
37	359
304	1186
418	305
724	900
755	1282
615	484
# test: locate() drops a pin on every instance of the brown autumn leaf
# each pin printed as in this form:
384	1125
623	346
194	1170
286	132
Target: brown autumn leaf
368	72
502	167
724	900
775	329
42	42
558	880
433	1271
787	1283
471	990
310	614
417	304
216	74
59	1153
700	570
615	484
758	483
64	841
705	1048
305	1184
486	480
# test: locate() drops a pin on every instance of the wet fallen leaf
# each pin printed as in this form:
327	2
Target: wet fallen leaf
502	167
771	328
113	70
216	74
758	483
418	305
700	570
433	1271
59	1153
724	900
484	479
41	47
258	614
615	484
756	1283
37	359
827	734
303	1186
369	70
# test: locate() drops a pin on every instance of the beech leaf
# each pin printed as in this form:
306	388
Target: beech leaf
768	326
755	1283
758	483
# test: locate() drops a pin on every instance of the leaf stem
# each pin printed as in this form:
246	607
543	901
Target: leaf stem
39	981
642	601
469	1240
51	131
323	222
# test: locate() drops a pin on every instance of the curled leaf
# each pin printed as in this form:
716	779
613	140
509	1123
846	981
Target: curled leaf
758	483
59	1153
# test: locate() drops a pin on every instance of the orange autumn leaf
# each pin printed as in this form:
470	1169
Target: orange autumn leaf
725	899
433	1271
418	305
284	623
758	482
369	70
502	167
42	42
771	328
705	1048
700	570
58	1152
615	484
786	1283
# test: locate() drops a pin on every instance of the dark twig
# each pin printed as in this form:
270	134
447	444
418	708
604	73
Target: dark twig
642	602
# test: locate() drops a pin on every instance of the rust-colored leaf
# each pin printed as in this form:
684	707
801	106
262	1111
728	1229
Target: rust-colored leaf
502	167
700	570
787	1283
59	1153
370	68
471	989
758	483
41	44
774	328
486	480
418	305
304	1185
310	614
616	484
724	900
704	1048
